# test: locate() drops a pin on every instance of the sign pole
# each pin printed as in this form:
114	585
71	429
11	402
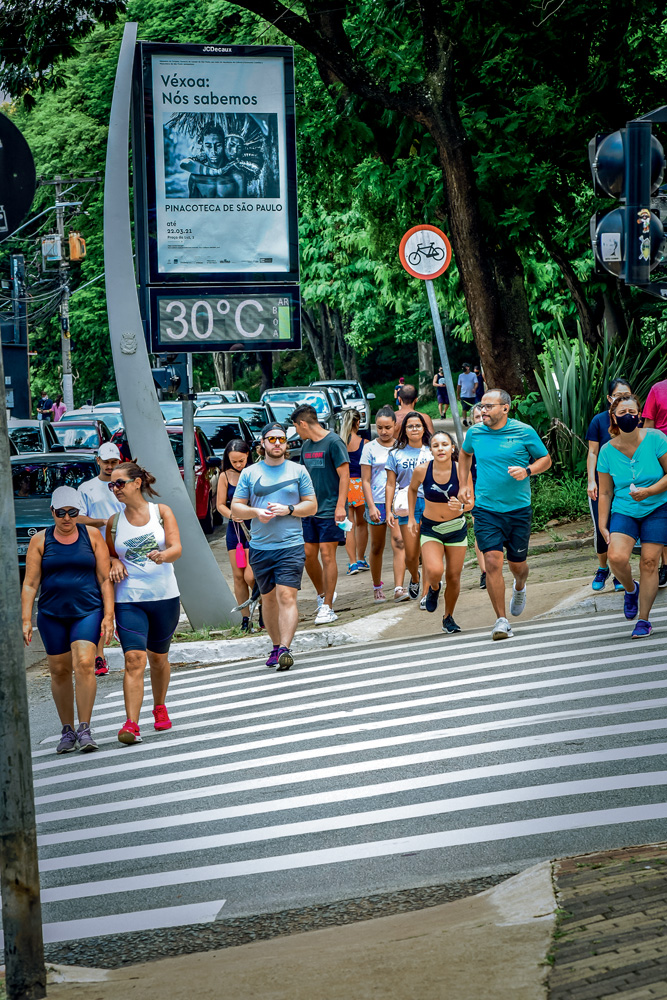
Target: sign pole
189	437
444	361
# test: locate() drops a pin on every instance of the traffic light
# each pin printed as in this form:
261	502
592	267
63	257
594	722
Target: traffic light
629	165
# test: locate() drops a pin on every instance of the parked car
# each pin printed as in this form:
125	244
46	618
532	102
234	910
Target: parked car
220	429
82	434
353	396
255	415
33	435
34	478
214	396
114	404
113	418
284	401
207	471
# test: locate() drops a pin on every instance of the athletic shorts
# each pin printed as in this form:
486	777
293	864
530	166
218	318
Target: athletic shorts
322	529
236	534
419	510
600	544
497	529
382	511
442	395
467	402
277	567
147	624
454	532
652	528
58	634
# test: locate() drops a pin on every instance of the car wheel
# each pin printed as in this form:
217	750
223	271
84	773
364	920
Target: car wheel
207	525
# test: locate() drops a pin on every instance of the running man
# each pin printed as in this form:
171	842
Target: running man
507	454
275	494
440	386
98	504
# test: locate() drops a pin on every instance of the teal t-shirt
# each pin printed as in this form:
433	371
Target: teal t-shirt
643	469
287	483
495	450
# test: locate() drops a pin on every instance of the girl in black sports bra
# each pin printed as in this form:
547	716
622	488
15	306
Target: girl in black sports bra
443	529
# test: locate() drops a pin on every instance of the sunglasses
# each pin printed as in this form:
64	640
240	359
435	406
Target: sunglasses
118	484
274	439
66	512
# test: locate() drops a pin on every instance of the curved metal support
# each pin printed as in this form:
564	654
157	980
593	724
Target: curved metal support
204	592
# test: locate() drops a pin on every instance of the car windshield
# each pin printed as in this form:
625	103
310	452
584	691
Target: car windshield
112	420
254	415
348	392
77	437
297	398
26	438
172	408
176	442
32	479
282	411
219	432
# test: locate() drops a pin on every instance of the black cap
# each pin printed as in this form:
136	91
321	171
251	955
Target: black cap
275	426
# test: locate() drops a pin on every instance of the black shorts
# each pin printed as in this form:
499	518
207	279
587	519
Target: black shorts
236	534
467	402
147	624
322	529
442	395
498	529
277	567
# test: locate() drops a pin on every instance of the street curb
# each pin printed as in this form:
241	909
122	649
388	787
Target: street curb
568	543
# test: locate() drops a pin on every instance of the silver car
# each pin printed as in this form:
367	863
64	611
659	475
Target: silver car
353	397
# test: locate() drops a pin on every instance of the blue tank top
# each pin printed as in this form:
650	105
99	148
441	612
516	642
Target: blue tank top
436	492
230	492
355	458
69	587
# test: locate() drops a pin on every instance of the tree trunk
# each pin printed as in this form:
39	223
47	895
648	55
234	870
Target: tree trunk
520	355
265	359
320	340
222	364
590	329
425	361
346	351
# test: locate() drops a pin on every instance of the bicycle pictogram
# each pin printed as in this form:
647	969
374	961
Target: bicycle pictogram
429	251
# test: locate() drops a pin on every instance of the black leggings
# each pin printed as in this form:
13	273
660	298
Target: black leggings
600	544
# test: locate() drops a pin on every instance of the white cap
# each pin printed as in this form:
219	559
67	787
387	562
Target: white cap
109	450
65	496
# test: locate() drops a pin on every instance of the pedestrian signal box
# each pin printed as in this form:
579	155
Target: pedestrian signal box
77	246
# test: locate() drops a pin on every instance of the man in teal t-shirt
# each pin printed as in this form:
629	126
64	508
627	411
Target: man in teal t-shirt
507	453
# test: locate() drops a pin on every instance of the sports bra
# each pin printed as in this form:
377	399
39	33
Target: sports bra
436	492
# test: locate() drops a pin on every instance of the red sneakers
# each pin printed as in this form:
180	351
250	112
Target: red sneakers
161	716
100	666
129	733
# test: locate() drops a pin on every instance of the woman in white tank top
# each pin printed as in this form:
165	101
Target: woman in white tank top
144	542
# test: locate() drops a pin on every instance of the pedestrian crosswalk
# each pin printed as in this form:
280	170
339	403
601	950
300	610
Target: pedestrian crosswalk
363	769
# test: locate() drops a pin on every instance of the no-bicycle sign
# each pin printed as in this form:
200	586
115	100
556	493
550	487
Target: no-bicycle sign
425	252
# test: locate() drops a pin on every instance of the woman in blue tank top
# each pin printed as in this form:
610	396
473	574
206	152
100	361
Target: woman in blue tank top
71	563
234	460
443	530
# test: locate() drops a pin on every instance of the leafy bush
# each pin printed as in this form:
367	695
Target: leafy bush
558	496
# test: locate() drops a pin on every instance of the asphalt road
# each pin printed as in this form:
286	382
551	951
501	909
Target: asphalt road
363	769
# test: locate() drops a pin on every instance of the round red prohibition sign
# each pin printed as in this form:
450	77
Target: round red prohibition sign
425	252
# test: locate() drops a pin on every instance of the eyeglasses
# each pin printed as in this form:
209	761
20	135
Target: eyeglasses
274	439
65	512
118	484
488	406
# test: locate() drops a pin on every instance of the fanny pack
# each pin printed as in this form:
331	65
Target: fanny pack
447	527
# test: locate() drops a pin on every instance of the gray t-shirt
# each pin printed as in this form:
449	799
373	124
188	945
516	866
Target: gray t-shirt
287	483
322	459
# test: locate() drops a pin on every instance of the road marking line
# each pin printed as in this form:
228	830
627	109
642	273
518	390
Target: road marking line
263	762
544	825
382	790
208	791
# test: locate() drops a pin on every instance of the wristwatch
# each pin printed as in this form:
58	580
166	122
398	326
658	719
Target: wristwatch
528	470
290	508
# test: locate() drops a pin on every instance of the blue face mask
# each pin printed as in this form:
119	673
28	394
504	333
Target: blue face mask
627	422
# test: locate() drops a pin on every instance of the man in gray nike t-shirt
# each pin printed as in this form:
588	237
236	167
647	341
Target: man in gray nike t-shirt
275	494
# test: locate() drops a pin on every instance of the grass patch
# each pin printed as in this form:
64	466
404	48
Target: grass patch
562	497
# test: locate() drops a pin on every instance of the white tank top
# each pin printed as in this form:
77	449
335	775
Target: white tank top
145	580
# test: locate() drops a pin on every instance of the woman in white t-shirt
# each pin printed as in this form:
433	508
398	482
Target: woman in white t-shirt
373	482
143	541
411	449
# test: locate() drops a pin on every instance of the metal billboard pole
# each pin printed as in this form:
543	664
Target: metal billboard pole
204	592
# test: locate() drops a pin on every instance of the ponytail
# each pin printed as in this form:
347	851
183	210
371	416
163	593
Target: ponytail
135	471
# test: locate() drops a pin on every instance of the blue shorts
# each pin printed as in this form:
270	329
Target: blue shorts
652	528
442	395
322	529
236	534
499	529
419	510
147	624
58	634
277	567
383	514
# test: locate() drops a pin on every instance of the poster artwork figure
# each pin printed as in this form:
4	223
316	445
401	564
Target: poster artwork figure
222	155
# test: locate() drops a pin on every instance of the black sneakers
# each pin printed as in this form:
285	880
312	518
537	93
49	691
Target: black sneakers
449	625
431	600
413	588
482	581
662	576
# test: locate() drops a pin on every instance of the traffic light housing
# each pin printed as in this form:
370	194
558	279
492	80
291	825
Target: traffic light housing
77	246
629	165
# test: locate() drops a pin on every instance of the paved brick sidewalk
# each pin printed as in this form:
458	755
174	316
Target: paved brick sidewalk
611	940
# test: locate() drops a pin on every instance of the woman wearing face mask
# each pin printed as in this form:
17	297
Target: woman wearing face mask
597	436
443	530
411	449
632	469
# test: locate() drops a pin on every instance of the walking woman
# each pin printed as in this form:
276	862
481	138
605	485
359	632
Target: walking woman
234	460
356	540
144	542
373	481
632	469
75	606
443	531
411	449
597	436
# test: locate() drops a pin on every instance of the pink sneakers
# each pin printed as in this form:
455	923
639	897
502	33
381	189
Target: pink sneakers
161	716
129	733
100	666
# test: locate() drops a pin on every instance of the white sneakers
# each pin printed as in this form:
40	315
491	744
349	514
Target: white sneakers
320	599
502	629
325	615
518	602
